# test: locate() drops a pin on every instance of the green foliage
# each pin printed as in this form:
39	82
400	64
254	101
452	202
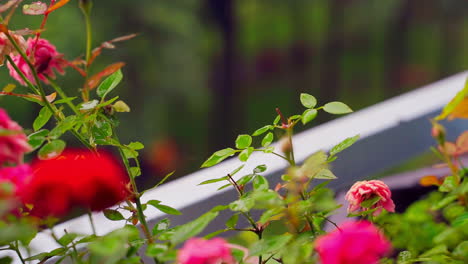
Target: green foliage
218	156
109	84
243	141
42	118
308	100
51	149
113	215
337	108
192	228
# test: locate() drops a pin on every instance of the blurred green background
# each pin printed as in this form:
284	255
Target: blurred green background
201	72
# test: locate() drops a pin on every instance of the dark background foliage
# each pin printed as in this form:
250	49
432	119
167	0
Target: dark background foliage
201	72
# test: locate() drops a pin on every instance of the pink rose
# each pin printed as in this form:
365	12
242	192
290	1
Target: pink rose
201	251
13	142
6	48
354	243
46	59
365	190
17	176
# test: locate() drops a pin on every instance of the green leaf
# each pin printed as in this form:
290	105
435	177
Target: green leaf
448	185
245	179
154	250
343	145
312	166
214	180
192	228
308	115
101	130
63	126
36	139
113	215
270	214
294	117
51	149
65	100
165	209
277	119
244	204
461	220
67	239
41	256
320	186
324	174
218	156
444	202
42	118
135	171
108	102
260	168
243	141
260	183
270	244
267	139
438	250
224	186
232	221
161	226
370	202
308	100
245	154
461	251
136	145
236	170
337	108
109	83
269	149
262	130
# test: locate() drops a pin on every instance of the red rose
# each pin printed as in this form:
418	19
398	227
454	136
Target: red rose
75	178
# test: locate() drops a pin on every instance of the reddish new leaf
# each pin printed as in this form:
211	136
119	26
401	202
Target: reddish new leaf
462	143
34	97
460	111
96	79
57	5
7	5
35	8
430	180
108	45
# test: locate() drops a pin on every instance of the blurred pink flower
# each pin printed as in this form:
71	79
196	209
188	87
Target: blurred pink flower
201	251
46	59
354	243
17	176
365	190
13	142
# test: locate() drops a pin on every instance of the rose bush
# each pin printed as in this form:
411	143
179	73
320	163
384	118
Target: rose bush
286	219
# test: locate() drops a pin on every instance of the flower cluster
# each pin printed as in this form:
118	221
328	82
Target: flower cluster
44	57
